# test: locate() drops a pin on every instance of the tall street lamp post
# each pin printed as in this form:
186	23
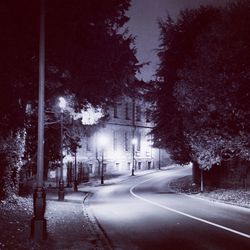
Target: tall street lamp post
133	156
102	140
62	105
159	159
202	181
102	170
38	222
134	141
75	181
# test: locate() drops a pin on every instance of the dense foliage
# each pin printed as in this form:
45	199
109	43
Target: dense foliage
203	97
87	56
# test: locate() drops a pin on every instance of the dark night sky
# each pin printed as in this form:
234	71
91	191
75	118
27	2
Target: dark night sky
143	24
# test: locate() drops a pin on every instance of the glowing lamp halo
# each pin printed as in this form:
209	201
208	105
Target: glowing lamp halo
134	141
102	140
62	103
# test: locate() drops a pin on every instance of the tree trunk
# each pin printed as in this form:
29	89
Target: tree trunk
196	173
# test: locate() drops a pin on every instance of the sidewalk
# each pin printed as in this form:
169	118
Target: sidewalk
70	223
73	219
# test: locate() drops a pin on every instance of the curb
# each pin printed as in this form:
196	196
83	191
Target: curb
103	241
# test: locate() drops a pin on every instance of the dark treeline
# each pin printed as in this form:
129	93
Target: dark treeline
203	89
89	60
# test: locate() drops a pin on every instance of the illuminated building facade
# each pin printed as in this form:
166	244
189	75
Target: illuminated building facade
127	144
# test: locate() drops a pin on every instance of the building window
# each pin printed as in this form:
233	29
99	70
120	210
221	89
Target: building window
147	115
138	113
139	165
115	110
104	167
126	111
138	144
115	140
91	168
126	141
88	144
149	165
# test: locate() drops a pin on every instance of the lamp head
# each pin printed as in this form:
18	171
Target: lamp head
103	140
62	103
134	141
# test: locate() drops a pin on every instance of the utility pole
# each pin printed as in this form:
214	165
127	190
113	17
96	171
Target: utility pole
202	181
133	156
61	182
159	159
102	170
102	140
133	138
38	222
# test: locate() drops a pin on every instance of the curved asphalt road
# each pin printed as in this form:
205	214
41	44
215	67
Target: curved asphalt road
144	213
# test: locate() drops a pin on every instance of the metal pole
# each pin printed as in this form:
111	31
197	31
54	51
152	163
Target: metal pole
133	134
75	181
61	182
38	222
159	158
202	183
102	173
133	165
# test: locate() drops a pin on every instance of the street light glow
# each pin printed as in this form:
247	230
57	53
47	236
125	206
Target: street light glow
134	141
103	140
62	103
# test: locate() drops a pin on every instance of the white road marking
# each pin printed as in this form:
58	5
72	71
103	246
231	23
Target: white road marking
182	213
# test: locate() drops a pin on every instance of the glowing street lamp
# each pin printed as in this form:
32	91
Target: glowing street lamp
102	141
62	106
134	142
62	103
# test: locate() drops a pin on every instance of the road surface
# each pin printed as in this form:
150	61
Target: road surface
144	213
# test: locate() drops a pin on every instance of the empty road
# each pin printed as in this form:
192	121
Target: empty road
144	213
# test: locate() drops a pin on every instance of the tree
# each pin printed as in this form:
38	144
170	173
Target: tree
213	88
87	56
209	84
178	44
11	153
95	60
